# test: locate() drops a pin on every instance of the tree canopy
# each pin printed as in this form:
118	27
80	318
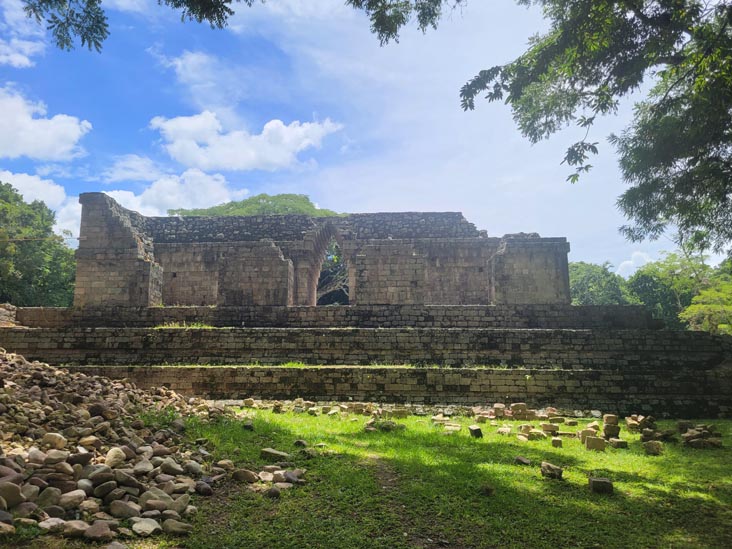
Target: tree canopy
680	289
591	284
36	267
262	204
668	285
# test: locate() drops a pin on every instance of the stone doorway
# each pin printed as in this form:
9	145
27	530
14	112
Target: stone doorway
332	288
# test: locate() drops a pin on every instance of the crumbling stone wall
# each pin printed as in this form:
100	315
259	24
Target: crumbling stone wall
115	261
392	258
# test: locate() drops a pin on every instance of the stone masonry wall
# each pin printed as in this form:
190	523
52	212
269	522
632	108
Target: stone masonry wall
8	314
434	272
635	350
531	270
233	274
294	227
114	261
687	393
357	316
255	275
130	260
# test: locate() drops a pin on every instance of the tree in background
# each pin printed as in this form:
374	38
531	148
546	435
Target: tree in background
711	309
668	285
36	267
591	284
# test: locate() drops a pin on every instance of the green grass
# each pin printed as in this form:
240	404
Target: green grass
421	488
418	487
184	326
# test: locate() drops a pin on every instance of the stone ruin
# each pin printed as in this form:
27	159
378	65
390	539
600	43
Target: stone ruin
160	295
126	259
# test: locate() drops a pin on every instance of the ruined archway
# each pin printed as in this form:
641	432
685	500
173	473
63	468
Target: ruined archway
332	287
328	276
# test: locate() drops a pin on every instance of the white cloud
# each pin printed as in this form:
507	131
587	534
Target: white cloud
219	86
192	189
16	20
636	261
33	188
24	37
132	167
134	6
68	218
17	53
26	131
198	141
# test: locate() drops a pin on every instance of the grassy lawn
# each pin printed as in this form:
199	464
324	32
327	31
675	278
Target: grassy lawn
421	488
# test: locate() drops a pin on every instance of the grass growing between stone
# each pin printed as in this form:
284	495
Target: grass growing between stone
418	487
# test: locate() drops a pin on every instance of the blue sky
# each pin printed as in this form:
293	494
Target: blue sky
296	96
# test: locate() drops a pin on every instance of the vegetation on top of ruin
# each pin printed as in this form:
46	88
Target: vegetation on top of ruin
262	204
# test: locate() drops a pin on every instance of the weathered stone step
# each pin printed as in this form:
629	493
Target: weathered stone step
680	393
357	316
567	349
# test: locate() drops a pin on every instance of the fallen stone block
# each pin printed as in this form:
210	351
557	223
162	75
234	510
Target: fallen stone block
549	470
595	443
599	485
653	447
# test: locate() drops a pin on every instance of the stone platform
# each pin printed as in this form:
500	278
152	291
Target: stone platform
549	316
615	358
533	348
677	393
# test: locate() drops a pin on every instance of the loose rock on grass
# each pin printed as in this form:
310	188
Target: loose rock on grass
75	457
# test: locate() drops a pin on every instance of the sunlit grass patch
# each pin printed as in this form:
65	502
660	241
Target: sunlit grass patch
422	488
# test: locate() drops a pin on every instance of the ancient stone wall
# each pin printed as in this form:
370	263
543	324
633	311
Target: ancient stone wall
635	350
687	393
229	228
8	314
359	316
392	258
531	270
114	262
406	225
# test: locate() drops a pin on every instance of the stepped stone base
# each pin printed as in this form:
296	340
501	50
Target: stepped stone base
356	316
681	393
626	350
612	358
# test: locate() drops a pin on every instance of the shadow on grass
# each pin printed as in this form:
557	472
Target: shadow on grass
454	491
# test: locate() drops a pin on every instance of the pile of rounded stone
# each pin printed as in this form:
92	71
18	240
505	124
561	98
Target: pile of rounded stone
77	460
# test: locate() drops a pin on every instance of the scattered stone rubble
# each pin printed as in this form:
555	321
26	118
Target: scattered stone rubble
699	436
76	459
